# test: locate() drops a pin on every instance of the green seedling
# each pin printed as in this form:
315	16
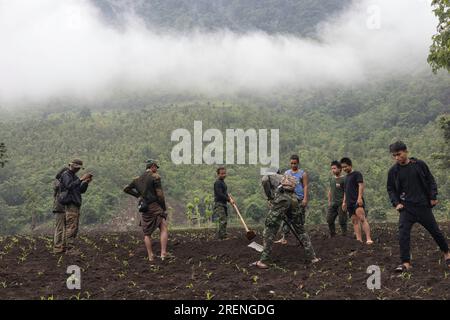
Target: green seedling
76	296
406	275
209	295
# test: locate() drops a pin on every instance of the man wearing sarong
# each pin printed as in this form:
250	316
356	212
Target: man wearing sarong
148	189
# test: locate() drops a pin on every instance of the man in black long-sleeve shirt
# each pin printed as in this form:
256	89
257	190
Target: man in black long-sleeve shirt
69	196
221	198
413	192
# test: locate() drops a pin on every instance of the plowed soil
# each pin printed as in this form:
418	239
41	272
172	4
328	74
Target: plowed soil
113	266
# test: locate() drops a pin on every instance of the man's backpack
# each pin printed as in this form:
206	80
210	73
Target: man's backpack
288	182
270	183
57	206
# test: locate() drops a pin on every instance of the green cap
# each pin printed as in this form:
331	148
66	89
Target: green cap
151	162
77	163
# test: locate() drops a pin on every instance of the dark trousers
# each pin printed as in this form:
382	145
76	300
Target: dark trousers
424	216
335	211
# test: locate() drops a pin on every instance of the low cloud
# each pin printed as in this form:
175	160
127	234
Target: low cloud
53	48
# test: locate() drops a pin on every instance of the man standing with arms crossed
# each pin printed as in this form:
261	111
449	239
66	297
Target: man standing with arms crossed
335	198
353	200
413	192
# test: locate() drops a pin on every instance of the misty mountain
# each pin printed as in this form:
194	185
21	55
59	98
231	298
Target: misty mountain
298	17
320	127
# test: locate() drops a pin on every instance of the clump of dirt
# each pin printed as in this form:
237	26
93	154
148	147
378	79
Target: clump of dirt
113	266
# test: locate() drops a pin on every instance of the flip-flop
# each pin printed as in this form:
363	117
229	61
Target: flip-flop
168	256
255	264
402	268
315	260
369	242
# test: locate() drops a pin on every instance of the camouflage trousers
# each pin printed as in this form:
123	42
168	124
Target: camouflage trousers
299	213
285	204
220	212
335	211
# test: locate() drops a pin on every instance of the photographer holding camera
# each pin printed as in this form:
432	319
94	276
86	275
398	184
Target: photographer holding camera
69	193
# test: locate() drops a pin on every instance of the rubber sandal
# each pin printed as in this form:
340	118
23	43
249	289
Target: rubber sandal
281	241
402	268
315	260
256	264
168	256
369	242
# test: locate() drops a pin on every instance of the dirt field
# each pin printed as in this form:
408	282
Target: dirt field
114	267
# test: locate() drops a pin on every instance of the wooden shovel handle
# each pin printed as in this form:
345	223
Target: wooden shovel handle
238	213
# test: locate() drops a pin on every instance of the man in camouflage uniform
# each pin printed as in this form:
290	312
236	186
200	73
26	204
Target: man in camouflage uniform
148	189
301	192
282	203
221	198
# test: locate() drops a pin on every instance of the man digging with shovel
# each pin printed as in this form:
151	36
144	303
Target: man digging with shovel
279	190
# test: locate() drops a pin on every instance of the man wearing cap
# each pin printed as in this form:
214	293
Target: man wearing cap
71	188
148	189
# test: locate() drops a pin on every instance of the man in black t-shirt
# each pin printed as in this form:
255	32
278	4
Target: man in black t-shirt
413	192
354	200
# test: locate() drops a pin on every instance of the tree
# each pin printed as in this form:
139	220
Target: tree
439	57
3	155
189	212
444	154
208	201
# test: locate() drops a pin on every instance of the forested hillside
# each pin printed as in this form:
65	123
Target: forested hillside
280	16
320	126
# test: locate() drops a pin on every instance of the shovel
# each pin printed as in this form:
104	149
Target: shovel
250	233
256	246
294	232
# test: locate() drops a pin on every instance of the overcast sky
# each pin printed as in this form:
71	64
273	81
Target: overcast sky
52	48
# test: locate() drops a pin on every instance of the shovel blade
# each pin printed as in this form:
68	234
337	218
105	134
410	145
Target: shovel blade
256	246
251	235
